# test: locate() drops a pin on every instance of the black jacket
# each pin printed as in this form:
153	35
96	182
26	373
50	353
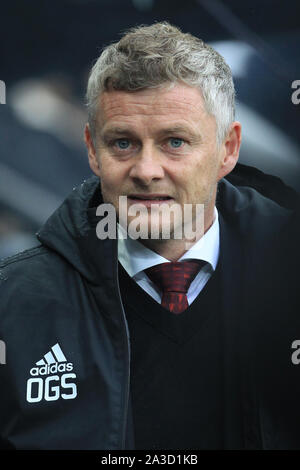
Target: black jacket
66	381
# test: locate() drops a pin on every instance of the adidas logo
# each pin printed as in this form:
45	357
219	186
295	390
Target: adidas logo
50	363
50	358
51	387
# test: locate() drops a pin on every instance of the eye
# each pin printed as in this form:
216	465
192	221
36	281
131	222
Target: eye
176	142
122	144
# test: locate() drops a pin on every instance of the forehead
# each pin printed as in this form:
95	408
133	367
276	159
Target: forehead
151	104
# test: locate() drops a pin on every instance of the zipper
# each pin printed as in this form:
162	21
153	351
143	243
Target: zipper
125	325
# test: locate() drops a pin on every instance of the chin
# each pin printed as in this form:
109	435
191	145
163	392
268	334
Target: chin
151	229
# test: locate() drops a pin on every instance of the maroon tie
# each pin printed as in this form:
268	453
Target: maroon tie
174	280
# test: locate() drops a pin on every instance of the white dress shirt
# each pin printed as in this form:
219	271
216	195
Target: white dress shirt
135	258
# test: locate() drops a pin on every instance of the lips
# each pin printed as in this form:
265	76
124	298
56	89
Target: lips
148	199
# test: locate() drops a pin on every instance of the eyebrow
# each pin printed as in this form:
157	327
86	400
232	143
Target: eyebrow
177	129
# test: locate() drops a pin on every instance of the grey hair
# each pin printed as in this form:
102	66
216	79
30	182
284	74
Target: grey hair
158	55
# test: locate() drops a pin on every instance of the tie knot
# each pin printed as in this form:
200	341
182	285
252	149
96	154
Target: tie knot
175	276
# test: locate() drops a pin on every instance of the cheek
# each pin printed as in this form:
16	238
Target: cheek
110	174
200	178
208	165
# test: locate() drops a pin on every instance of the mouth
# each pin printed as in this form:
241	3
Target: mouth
149	199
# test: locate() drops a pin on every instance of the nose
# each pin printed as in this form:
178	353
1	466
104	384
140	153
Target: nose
147	165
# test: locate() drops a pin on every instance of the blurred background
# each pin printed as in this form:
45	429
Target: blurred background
47	49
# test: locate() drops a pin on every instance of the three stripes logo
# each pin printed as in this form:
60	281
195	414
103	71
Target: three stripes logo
54	356
52	387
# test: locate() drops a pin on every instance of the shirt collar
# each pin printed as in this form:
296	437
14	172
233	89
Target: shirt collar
135	257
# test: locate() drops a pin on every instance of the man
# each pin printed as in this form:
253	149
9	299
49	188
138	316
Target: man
157	342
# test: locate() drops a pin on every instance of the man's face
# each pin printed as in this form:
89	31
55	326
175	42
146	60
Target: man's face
156	142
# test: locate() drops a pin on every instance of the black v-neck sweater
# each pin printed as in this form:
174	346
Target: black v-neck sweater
176	369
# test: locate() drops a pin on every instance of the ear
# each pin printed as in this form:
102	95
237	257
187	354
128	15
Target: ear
93	161
230	150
